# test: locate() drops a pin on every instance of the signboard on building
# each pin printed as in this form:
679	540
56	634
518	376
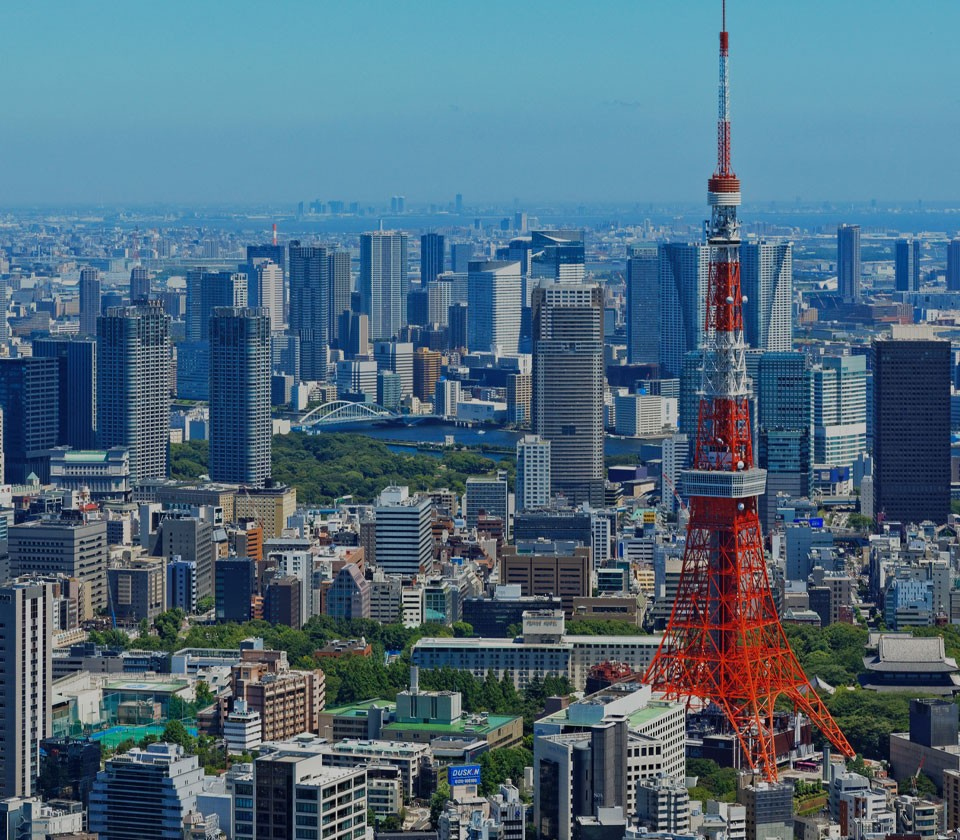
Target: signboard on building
463	774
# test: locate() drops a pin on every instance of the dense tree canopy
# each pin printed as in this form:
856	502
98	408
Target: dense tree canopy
331	465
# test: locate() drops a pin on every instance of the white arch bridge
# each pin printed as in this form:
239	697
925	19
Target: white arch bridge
342	411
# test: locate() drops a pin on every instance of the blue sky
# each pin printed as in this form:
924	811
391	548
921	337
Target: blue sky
233	101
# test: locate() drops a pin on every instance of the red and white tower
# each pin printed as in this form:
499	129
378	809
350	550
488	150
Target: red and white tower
724	643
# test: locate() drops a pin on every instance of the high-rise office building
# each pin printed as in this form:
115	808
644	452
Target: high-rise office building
234	588
182	585
354	334
285	355
557	255
643	305
348	597
133	386
426	372
519	394
275	253
848	263
906	265
77	387
433	254
912	427
396	356
283	600
190	539
389	390
766	278
533	473
69	546
383	282
89	300
192	381
784	390
460	255
139	285
290	780
769	807
457	326
338	269
357	380
495	298
487	496
31	421
675	456
146	793
208	290
418	306
404	536
309	302
568	383
240	424
25	684
684	272
953	265
839	410
268	277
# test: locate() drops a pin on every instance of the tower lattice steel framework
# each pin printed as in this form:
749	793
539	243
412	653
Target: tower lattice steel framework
724	643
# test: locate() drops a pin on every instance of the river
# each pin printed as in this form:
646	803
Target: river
403	437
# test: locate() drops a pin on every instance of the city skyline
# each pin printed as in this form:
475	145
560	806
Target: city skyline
97	123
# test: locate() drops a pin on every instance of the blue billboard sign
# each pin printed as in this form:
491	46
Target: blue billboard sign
463	774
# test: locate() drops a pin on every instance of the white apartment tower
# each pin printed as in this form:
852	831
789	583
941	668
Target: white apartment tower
383	282
270	282
25	680
533	472
133	386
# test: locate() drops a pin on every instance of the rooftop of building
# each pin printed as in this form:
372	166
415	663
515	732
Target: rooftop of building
477	724
910	654
360	709
399	748
639	707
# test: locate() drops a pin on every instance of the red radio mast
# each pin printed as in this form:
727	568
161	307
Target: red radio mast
724	643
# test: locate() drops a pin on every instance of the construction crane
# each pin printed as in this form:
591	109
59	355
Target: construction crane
915	776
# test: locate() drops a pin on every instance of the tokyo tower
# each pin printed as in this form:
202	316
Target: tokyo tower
724	643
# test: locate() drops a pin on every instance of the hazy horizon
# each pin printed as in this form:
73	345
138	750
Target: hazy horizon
240	103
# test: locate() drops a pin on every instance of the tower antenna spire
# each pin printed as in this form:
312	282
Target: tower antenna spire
724	645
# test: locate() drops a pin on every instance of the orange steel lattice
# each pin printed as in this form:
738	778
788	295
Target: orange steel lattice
724	643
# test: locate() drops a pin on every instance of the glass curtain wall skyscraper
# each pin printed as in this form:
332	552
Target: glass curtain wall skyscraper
432	257
643	304
309	301
848	263
240	424
766	277
338	269
912	427
684	272
839	410
89	300
784	390
907	265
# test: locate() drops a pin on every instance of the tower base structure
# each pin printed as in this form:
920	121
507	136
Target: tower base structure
725	644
